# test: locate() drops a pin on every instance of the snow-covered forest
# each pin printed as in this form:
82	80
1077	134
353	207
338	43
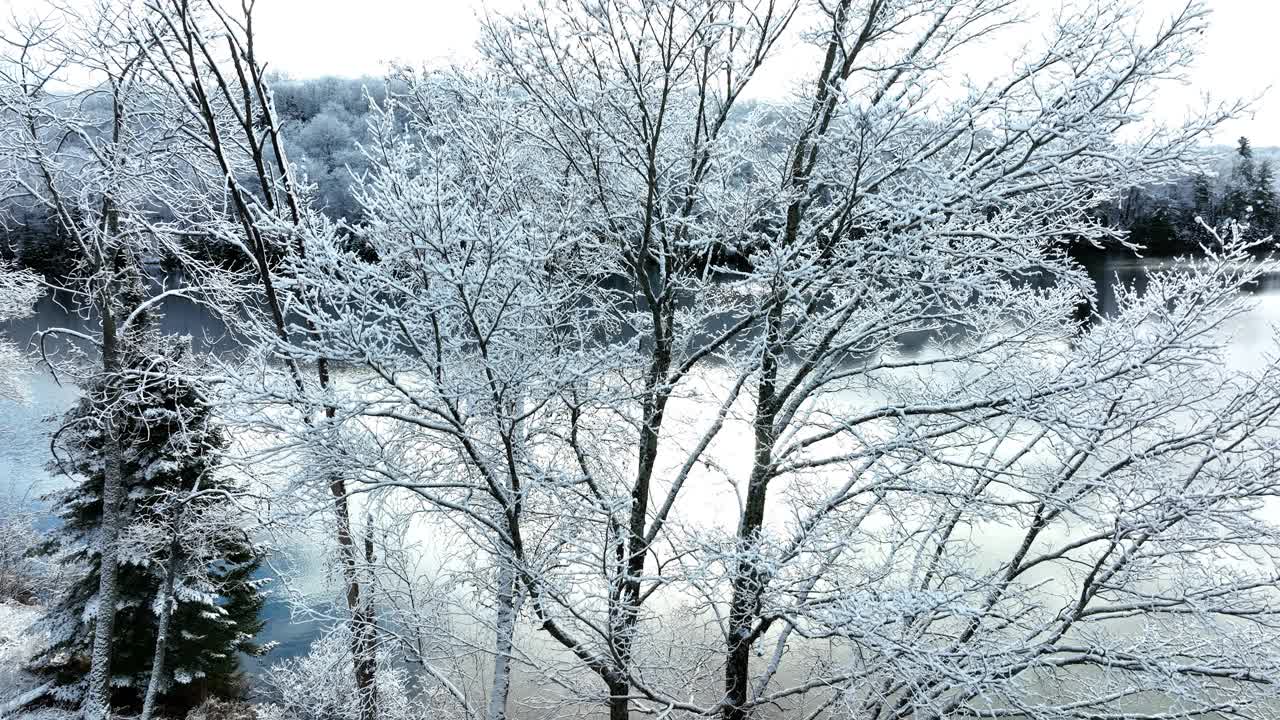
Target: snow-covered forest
582	381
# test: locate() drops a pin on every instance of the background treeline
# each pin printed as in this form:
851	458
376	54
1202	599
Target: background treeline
1238	184
325	123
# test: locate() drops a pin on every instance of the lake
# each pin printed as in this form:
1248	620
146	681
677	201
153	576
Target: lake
25	428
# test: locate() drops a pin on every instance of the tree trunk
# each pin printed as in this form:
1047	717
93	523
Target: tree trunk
166	608
748	576
508	606
744	605
619	704
253	91
362	632
97	699
631	552
162	629
622	627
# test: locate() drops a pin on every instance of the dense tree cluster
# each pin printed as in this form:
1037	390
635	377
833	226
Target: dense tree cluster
599	389
325	121
1237	187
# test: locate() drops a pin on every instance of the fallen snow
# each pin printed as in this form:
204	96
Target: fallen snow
16	647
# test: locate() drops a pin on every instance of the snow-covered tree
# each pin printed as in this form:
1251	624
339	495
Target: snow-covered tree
107	161
173	447
85	184
483	288
206	55
596	269
318	686
739	406
1238	194
1249	195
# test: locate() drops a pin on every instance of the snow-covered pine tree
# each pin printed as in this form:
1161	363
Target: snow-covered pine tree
1237	198
1266	206
173	441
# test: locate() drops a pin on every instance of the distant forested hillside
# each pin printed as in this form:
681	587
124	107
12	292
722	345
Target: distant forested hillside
1237	185
324	122
325	125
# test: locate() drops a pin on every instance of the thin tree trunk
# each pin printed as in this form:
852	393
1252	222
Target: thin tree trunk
748	576
361	609
507	597
97	699
503	641
250	73
253	96
624	612
166	608
370	622
162	628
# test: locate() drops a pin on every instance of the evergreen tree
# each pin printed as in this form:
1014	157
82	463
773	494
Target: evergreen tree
173	441
1237	201
1155	232
1263	200
1200	208
1202	204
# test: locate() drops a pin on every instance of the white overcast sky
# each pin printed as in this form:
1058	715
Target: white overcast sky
1240	56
